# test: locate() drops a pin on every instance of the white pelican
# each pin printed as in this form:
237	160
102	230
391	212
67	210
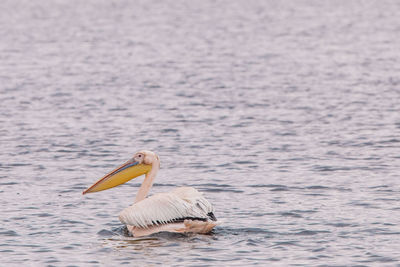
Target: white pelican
183	210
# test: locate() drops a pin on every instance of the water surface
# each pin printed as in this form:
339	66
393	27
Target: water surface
284	113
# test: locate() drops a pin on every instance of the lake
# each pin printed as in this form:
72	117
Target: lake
285	114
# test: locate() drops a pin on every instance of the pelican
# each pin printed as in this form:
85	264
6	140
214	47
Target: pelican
183	210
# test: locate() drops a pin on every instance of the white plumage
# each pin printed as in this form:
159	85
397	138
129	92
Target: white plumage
183	210
164	208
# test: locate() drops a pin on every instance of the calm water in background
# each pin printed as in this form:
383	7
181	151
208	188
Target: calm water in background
284	113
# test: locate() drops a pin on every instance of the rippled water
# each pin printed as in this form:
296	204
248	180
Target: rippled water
284	113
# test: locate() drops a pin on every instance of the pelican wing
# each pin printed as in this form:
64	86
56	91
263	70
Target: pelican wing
179	204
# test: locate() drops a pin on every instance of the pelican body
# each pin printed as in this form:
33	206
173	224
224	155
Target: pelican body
183	210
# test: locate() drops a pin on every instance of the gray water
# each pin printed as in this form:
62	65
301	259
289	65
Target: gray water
285	114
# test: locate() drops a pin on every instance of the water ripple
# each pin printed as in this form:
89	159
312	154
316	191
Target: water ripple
284	116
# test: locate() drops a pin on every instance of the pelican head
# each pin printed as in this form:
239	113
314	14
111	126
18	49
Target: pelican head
141	163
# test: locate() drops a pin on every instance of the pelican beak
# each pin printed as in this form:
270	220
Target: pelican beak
120	175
